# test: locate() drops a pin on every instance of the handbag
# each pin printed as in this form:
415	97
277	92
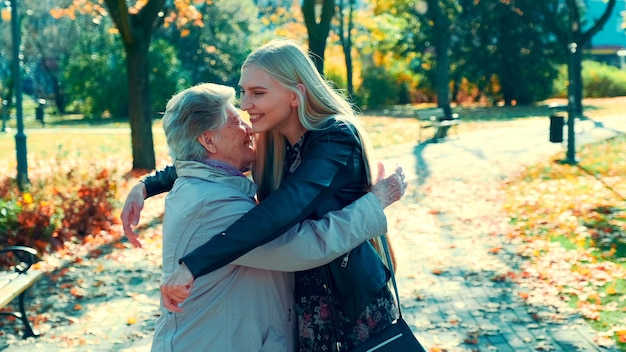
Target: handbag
398	336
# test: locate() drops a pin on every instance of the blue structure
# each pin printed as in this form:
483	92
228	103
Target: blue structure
608	45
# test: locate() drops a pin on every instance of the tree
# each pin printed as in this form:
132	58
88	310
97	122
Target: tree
345	37
577	40
136	25
208	52
439	14
317	18
506	50
573	38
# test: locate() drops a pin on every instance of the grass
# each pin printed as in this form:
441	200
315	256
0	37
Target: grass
583	208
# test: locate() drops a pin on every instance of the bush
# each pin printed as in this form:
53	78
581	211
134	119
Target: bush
63	205
379	88
599	81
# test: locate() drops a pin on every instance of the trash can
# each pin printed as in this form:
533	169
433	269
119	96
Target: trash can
556	128
40	110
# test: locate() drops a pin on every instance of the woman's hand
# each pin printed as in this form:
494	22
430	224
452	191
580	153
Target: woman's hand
132	211
176	288
390	189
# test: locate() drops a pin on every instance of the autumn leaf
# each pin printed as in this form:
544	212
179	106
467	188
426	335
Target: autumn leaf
77	292
494	250
611	290
621	336
99	268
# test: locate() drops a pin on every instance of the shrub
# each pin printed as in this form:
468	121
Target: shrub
379	88
599	80
63	205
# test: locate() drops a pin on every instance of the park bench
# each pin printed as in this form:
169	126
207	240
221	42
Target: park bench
436	119
16	279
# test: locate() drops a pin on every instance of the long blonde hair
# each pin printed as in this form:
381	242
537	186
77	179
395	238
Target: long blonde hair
286	62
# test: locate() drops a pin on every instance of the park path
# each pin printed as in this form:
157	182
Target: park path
443	232
447	234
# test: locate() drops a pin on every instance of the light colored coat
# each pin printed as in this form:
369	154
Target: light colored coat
248	305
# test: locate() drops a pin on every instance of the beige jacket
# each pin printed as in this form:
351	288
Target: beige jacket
246	306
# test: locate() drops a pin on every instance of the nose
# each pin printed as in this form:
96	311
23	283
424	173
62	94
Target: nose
244	103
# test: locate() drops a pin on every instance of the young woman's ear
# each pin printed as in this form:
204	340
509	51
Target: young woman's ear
207	141
295	100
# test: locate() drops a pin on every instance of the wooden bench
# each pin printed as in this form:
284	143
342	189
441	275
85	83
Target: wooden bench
15	280
436	119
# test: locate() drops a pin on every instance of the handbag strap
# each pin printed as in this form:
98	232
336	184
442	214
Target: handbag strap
383	241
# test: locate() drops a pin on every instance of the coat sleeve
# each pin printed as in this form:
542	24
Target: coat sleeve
313	243
161	181
326	167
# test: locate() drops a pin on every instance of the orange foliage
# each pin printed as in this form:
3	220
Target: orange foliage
570	225
60	207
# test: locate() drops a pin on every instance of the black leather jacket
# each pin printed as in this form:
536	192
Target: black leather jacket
330	176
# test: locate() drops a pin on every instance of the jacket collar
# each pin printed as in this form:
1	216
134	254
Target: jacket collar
210	173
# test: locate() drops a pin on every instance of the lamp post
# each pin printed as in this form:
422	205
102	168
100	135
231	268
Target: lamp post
5	105
20	137
570	157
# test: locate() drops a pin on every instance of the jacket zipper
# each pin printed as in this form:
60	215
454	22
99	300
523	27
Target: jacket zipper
333	313
344	261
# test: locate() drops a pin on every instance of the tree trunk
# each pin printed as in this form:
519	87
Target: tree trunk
59	95
346	43
441	32
318	29
136	32
139	105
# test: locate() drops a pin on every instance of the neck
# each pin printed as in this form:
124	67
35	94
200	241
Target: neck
294	134
227	167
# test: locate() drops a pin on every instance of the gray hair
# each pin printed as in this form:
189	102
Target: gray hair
190	113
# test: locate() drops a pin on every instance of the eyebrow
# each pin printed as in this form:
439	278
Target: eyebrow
254	87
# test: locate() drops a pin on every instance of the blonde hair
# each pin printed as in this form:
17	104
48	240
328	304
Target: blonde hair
191	112
286	62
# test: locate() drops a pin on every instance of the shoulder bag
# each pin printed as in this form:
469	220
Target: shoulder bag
398	336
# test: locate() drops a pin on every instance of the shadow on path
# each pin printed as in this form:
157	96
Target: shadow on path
455	266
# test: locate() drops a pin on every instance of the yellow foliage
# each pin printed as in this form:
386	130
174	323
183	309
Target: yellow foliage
27	198
611	290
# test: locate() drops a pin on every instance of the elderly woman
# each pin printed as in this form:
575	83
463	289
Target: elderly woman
247	305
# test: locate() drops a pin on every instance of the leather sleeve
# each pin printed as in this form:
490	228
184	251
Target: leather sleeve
161	181
313	243
326	167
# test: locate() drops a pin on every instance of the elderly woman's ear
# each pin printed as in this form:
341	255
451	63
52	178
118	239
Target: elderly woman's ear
207	139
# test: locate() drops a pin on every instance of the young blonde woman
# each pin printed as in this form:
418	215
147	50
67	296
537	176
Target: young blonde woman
311	159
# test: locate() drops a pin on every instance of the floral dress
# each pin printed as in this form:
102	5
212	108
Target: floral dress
321	322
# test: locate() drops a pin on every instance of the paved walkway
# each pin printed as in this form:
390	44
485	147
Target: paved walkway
453	289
